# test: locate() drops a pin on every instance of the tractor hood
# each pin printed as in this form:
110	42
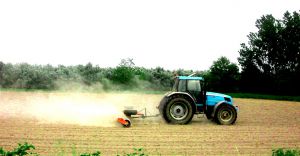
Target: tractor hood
213	98
217	94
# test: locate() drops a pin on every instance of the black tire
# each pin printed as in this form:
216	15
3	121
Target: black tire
225	115
178	111
130	112
208	116
162	106
128	124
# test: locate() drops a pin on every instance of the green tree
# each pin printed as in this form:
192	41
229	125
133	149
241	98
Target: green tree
124	72
270	61
143	73
163	78
90	74
223	75
1	72
9	75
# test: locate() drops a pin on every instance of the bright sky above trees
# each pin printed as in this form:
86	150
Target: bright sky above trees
171	34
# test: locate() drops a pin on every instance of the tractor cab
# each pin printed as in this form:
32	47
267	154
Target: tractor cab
194	86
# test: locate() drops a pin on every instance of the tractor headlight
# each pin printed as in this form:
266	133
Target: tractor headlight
227	99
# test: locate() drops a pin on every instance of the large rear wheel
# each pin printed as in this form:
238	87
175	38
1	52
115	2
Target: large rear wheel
178	111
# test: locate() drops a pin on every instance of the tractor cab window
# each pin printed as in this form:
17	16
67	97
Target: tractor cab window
194	85
182	86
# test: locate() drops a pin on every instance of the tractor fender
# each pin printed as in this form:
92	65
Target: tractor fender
186	95
182	93
221	103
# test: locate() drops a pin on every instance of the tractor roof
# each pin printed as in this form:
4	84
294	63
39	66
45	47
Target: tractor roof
189	78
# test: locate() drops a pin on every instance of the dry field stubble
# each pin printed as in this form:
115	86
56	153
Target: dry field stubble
85	122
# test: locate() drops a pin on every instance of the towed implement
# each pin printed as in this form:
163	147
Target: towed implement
131	113
189	97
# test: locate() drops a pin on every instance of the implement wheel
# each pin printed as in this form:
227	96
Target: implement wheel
130	112
128	124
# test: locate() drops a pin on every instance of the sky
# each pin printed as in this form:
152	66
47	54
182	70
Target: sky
173	34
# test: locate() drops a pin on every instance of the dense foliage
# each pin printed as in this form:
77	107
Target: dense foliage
223	76
285	152
123	77
271	60
21	150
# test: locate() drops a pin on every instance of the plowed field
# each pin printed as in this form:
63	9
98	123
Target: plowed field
62	123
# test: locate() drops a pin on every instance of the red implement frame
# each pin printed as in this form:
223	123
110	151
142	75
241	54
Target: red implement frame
124	122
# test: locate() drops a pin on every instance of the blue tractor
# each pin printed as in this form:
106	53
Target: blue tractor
189	97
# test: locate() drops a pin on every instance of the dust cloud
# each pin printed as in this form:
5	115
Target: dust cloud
88	109
76	109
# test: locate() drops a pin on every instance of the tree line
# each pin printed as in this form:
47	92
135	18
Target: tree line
50	77
271	60
126	76
269	63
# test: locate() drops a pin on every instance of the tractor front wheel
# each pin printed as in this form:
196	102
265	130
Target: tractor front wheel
178	111
225	115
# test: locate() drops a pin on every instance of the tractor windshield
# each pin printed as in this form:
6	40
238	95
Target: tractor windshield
194	85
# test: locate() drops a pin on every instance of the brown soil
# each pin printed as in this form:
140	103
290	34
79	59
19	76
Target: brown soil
85	122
